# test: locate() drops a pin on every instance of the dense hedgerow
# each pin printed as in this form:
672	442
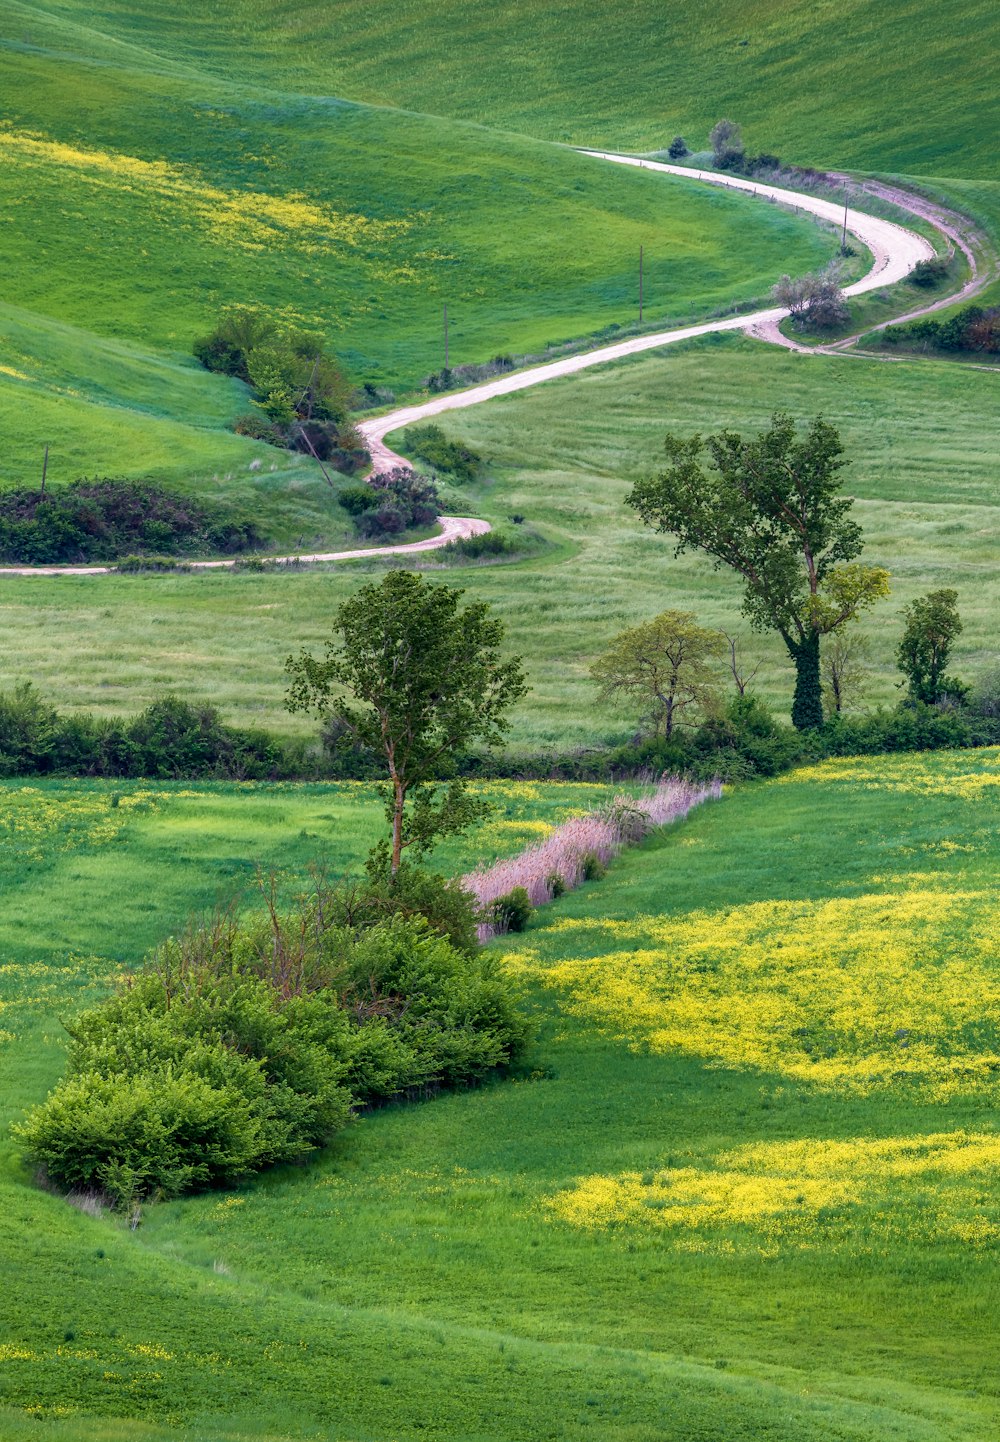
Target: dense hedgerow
177	739
249	1042
170	739
974	328
103	520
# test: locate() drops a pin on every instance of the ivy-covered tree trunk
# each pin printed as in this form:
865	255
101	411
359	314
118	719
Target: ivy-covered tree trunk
807	706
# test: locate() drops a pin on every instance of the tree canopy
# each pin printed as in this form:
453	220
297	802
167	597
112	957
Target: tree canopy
932	625
770	507
414	676
663	665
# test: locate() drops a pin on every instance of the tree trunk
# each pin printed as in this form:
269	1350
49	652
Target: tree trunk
399	796
807	707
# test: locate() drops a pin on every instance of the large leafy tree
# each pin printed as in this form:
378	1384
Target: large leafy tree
664	665
415	677
770	507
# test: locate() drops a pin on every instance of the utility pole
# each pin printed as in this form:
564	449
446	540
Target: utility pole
640	284
446	337
45	468
843	238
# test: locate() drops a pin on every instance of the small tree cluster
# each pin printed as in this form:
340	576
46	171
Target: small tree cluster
302	394
815	302
770	508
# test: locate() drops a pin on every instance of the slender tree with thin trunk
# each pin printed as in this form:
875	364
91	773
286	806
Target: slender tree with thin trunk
770	507
414	677
663	665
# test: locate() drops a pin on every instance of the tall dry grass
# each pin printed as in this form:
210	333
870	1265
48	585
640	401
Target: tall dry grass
583	845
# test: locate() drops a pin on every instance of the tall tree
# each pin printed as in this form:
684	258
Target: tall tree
932	626
415	677
770	508
664	665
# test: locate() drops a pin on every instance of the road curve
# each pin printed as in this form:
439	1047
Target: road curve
895	249
452	528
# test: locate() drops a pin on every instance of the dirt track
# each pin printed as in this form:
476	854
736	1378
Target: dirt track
895	251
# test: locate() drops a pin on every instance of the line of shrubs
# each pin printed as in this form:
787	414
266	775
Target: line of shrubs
174	739
974	328
102	520
250	1041
171	738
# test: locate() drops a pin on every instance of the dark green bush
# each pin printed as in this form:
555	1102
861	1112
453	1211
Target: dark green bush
512	911
356	500
592	868
258	428
482	547
928	273
430	444
103	520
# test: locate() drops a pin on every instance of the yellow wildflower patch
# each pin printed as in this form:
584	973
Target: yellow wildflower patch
794	1191
965	775
856	992
250	220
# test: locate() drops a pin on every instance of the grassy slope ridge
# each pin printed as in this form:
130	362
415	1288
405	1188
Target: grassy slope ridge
781	1221
808	81
139	202
919	436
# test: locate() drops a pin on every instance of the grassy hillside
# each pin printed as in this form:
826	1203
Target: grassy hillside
921	442
140	199
747	1191
808	82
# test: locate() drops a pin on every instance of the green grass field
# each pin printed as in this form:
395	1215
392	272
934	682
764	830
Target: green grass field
919	435
141	197
809	83
746	1187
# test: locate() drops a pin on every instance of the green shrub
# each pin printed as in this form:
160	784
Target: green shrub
592	868
103	520
557	885
512	911
928	273
258	428
482	547
356	500
247	1043
430	444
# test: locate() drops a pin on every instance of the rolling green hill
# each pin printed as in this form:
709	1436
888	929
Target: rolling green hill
808	81
746	1188
140	198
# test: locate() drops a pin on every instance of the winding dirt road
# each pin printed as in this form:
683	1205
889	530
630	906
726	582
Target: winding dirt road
895	250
